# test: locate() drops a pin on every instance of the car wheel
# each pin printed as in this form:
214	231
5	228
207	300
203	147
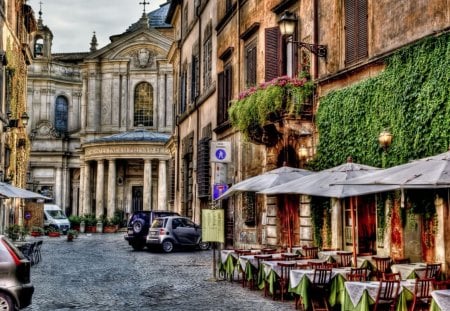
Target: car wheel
137	246
6	302
167	246
138	225
204	245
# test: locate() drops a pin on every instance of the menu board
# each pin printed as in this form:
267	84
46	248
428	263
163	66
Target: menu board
213	225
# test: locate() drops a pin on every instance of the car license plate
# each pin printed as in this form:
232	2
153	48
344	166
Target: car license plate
130	231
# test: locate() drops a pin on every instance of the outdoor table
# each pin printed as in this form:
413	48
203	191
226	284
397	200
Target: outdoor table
360	295
365	262
440	300
410	270
300	283
330	256
228	259
248	264
270	271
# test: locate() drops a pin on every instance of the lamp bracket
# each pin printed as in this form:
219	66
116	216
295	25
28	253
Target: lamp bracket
317	49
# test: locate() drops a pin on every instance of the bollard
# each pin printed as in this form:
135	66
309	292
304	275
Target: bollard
82	226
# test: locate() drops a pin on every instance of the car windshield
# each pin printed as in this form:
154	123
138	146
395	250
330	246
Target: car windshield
57	214
158	223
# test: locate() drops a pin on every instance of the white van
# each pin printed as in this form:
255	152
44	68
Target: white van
55	217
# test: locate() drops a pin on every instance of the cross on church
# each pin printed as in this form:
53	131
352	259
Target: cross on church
144	3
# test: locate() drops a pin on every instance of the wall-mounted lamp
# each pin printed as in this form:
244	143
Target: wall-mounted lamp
287	24
385	139
15	122
303	153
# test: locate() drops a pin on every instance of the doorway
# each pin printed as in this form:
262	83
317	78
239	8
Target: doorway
137	198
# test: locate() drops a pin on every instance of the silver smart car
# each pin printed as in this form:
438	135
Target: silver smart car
172	231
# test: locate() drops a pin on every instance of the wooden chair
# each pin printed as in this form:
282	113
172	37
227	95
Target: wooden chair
289	256
387	295
382	265
311	252
401	260
345	259
392	276
302	266
320	265
319	289
422	294
355	277
268	251
258	271
331	249
284	278
364	272
433	270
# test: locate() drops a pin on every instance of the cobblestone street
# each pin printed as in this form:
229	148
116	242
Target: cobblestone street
102	272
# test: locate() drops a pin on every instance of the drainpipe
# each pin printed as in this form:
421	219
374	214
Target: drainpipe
315	36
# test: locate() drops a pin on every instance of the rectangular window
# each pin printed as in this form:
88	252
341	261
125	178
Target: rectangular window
356	31
184	22
250	64
195	78
203	171
207	64
225	80
183	93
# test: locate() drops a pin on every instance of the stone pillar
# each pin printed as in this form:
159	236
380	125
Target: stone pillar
147	195
99	189
87	208
57	190
336	224
162	185
81	198
111	187
83	104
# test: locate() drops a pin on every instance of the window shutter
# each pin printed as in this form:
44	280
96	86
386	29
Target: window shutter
272	53
228	90
356	28
362	29
220	100
203	172
251	65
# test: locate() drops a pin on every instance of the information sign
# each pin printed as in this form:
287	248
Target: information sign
213	225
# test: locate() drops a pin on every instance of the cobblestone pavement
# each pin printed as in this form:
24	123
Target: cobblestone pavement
102	272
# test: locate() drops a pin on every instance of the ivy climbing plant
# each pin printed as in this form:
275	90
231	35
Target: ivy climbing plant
411	98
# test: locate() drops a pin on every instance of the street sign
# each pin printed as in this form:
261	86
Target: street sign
218	190
221	151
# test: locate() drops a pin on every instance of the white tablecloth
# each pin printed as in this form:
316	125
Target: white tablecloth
329	254
355	290
406	269
225	253
297	275
442	298
273	264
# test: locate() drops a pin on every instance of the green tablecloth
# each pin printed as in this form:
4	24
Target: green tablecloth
228	267
365	301
302	290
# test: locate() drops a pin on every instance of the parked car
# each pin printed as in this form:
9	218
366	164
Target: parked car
172	231
138	224
16	289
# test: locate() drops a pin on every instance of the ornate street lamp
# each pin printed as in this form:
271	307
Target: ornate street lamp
303	153
385	139
24	119
287	24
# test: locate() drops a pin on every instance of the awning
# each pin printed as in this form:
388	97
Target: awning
10	191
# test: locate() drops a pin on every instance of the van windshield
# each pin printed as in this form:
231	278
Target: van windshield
56	214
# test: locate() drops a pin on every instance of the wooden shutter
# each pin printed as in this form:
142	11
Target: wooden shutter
220	99
272	53
356	28
251	65
228	80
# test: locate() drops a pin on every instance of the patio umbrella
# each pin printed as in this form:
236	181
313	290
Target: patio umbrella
266	180
324	184
10	191
431	172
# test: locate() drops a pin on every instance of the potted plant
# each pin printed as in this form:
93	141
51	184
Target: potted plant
37	231
75	221
53	232
13	232
91	222
112	223
71	234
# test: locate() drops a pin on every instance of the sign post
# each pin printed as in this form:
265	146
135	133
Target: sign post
213	231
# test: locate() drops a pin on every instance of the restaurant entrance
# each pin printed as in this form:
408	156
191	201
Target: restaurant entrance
365	218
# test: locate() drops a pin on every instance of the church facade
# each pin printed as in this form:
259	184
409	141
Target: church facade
100	120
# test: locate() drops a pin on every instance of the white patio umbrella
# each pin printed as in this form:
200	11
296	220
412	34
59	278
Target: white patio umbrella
266	180
10	191
324	184
427	173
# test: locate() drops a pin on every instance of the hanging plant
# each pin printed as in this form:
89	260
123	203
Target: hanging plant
268	102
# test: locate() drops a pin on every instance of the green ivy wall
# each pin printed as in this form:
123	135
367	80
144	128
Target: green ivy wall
411	98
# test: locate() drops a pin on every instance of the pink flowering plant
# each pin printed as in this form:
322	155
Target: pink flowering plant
269	101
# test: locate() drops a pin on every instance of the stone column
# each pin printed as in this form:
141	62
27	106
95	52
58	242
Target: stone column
83	104
81	198
147	185
162	185
111	187
336	224
87	208
58	187
99	189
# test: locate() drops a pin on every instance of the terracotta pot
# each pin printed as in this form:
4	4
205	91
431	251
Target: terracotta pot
54	234
36	233
110	229
91	229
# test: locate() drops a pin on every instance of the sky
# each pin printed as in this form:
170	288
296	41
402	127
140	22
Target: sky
73	22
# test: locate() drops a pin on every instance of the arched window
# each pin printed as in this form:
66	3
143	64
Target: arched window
143	104
38	46
61	114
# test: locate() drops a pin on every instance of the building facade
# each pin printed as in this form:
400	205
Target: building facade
100	120
17	23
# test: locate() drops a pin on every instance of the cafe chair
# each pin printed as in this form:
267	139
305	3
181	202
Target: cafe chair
319	289
382	265
433	271
392	276
302	266
289	256
422	295
257	275
284	278
332	249
364	272
402	260
387	295
268	251
37	257
355	277
321	265
310	252
345	259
